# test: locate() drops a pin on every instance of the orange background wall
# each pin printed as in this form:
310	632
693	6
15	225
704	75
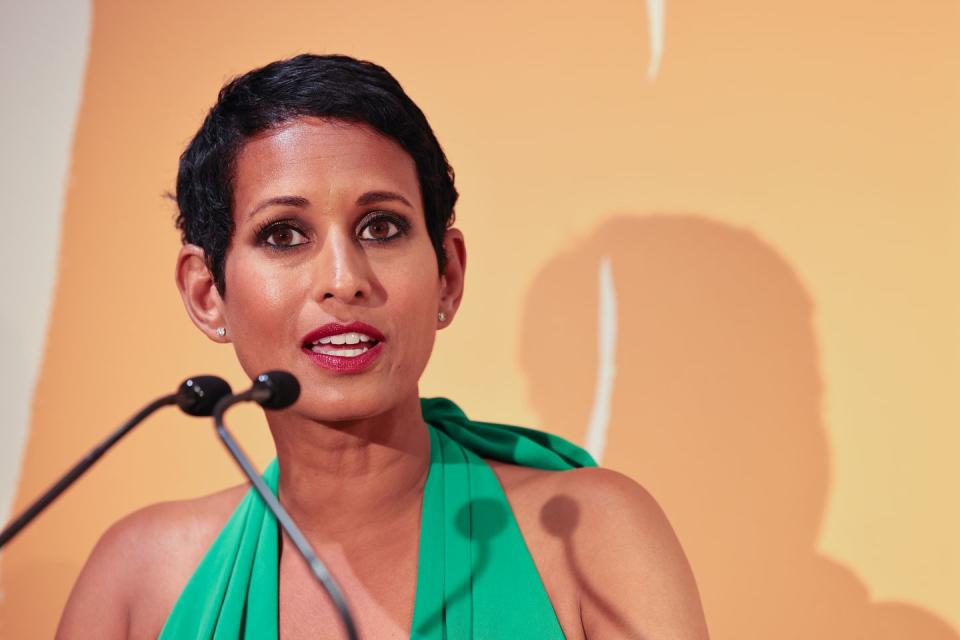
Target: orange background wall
779	209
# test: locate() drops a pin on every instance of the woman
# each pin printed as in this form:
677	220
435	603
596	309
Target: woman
316	209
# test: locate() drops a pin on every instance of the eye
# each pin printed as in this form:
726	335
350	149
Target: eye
282	235
381	228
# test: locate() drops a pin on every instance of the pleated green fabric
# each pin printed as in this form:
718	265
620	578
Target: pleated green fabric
475	577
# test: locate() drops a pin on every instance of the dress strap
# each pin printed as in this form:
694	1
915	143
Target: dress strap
476	578
233	593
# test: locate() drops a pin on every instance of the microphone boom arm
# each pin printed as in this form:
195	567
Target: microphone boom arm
299	540
196	396
78	469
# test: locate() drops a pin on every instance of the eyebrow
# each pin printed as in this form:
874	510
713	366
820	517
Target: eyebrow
374	197
370	197
287	201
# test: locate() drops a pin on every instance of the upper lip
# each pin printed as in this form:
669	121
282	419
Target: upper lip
335	328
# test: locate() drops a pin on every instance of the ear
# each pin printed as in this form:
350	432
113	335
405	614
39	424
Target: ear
199	293
452	278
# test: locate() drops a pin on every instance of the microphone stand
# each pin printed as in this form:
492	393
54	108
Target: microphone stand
196	397
299	540
78	469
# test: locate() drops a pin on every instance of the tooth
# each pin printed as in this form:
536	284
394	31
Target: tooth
344	353
352	338
339	339
325	340
364	338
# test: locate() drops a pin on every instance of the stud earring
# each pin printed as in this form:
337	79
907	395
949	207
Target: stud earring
221	331
442	317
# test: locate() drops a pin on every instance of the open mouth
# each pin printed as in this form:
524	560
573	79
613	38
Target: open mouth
345	348
343	345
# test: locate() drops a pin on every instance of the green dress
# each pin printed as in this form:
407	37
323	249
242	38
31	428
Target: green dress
475	576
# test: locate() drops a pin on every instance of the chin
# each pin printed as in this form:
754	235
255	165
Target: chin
331	406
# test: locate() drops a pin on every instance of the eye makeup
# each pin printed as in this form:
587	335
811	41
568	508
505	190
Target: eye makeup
398	221
269	228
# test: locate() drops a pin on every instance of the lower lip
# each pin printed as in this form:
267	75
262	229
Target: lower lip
344	364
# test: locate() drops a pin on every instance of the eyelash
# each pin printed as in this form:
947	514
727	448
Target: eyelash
400	222
268	228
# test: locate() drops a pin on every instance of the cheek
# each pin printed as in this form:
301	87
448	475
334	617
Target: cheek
255	290
261	301
413	294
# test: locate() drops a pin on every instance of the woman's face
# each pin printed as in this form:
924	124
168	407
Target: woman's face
331	274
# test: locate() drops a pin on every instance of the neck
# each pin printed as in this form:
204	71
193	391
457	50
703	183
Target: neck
337	479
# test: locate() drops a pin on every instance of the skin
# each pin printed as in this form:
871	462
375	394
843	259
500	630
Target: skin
355	444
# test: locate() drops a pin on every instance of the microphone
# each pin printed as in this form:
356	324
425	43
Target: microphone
197	396
278	390
275	390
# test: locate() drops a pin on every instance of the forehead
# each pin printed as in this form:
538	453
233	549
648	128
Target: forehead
314	157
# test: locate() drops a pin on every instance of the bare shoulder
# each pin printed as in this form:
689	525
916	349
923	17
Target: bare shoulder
593	497
141	563
607	538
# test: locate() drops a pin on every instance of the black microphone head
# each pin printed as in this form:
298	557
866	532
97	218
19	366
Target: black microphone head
199	394
276	389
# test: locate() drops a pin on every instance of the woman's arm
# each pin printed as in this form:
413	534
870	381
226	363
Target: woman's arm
99	604
138	569
634	579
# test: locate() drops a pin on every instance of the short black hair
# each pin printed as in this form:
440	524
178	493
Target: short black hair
327	86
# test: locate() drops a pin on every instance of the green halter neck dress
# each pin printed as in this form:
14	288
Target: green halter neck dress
475	576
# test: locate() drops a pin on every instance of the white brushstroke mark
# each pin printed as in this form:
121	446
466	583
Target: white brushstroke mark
44	48
606	365
656	20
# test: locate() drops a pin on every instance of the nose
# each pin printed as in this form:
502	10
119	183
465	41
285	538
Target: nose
343	271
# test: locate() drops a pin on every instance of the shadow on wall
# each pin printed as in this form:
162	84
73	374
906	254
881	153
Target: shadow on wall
717	411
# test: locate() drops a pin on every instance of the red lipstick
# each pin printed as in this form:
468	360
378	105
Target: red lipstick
341	363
